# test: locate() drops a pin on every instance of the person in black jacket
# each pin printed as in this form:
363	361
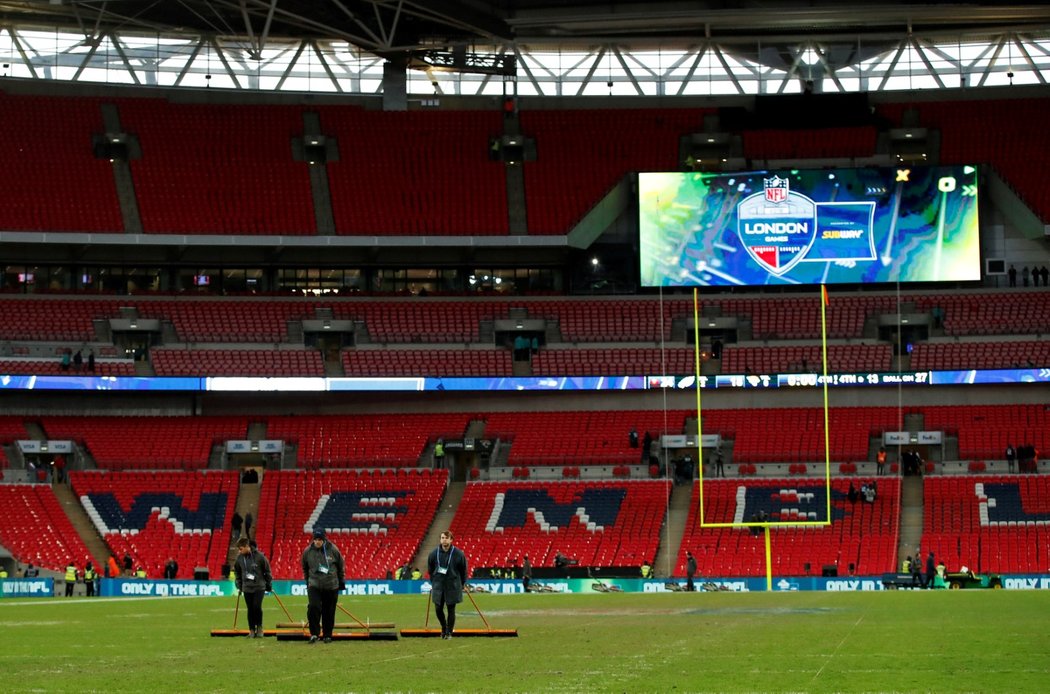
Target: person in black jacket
252	573
323	572
447	566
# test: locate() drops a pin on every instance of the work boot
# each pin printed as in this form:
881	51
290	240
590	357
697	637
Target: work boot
328	639
313	640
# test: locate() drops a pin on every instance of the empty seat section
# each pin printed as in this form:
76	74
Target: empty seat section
597	523
237	362
364	440
860	534
148	443
419	362
578	437
378	519
988	523
46	147
35	528
219	168
154	516
432	167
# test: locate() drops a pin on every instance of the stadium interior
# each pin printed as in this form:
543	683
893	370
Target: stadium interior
153	231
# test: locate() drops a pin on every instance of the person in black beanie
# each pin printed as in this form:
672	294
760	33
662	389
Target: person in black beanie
323	572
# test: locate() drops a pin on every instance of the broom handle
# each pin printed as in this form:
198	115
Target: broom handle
349	614
471	596
237	609
281	603
426	609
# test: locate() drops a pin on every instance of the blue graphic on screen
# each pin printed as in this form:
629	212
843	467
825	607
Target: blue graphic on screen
827	226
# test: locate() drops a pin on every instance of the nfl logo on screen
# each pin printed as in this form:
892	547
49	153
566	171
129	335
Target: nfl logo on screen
776	189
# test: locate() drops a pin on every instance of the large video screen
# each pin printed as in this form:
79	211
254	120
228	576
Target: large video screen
809	226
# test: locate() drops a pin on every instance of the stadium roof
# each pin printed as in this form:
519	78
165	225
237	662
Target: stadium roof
393	28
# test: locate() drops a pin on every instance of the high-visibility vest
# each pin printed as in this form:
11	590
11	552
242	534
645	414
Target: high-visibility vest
416	574
71	574
3	573
140	573
89	575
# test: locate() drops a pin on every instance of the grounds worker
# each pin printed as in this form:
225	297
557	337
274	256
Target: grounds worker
447	566
252	572
71	578
323	572
89	579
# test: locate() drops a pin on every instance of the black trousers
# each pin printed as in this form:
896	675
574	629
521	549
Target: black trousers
320	611
253	601
448	623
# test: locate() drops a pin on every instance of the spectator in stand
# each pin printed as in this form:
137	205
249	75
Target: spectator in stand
248	525
880	460
439	454
1046	275
129	564
171	569
78	361
1012	275
1024	276
30	571
60	468
236	523
64	364
1011	457
690	571
91	361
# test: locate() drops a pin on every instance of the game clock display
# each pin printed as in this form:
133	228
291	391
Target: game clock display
809	226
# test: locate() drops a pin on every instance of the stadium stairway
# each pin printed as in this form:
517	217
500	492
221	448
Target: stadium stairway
674	527
247	502
442	522
85	528
911	517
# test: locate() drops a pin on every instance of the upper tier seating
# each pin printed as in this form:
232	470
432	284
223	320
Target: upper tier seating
37	531
582	154
428	362
56	319
218	168
824	143
578	438
148	443
364	440
597	523
431	167
967	139
50	180
237	362
990	524
377	519
154	516
991	313
861	534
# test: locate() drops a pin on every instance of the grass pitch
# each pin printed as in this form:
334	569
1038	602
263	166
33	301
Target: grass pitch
943	641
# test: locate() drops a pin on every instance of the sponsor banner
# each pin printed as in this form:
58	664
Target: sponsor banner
144	587
27	588
114	587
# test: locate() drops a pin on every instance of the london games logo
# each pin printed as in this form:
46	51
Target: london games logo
777	227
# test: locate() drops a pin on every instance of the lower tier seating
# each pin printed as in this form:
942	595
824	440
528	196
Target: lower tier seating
599	524
861	539
36	530
377	519
154	516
